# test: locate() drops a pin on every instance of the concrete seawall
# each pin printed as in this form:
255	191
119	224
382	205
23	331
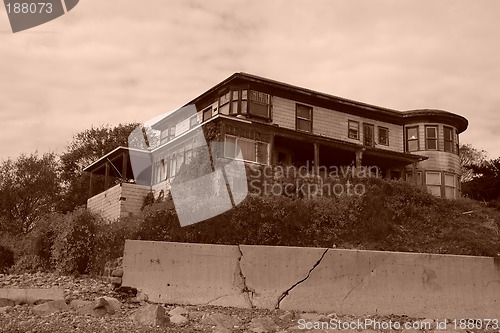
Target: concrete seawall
315	279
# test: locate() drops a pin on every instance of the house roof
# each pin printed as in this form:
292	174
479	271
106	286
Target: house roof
329	101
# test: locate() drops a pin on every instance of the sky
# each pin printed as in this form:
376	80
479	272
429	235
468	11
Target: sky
120	61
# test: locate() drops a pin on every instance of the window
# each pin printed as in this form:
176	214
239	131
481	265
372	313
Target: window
252	151
431	138
193	121
353	131
449	186
383	136
303	118
457	144
417	177
368	135
160	171
167	135
412	139
259	104
433	182
207	114
448	139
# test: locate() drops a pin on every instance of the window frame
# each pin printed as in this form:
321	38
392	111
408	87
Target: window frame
451	141
386	143
208	109
427	138
191	124
251	101
349	122
297	117
256	149
408	140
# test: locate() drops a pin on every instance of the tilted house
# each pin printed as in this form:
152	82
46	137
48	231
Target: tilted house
274	122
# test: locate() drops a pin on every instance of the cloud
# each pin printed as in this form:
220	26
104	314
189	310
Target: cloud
119	60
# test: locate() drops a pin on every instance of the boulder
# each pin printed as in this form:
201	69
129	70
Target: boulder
115	304
50	307
221	320
6	302
118	272
178	319
151	315
178	310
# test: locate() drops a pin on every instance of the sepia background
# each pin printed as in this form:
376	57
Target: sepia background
119	61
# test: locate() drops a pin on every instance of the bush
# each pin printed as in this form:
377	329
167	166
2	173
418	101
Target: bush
74	244
109	241
6	259
390	216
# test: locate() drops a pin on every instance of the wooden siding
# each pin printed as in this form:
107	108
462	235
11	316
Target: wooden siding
109	205
334	124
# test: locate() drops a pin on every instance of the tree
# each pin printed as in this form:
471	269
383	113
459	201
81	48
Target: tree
485	184
86	147
29	188
470	157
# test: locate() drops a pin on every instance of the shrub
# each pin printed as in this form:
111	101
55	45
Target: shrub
74	244
6	259
109	241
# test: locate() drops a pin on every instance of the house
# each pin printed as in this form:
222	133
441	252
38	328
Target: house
274	122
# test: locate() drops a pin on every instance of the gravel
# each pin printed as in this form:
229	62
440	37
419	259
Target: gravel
21	318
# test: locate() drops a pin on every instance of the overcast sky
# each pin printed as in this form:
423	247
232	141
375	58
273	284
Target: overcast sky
112	61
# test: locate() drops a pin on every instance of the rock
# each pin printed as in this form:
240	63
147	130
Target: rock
262	325
4	302
50	307
152	315
221	320
5	309
115	280
101	304
118	272
287	316
116	304
178	319
140	297
178	310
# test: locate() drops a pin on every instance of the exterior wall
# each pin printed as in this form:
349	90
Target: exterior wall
119	201
334	124
446	163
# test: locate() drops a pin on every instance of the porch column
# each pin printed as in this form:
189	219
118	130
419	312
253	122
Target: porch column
91	185
414	173
271	151
124	165
316	159
106	176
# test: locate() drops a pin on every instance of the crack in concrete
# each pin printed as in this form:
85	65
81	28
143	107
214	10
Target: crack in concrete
286	292
245	289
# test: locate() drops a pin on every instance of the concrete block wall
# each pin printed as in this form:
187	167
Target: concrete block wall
313	279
